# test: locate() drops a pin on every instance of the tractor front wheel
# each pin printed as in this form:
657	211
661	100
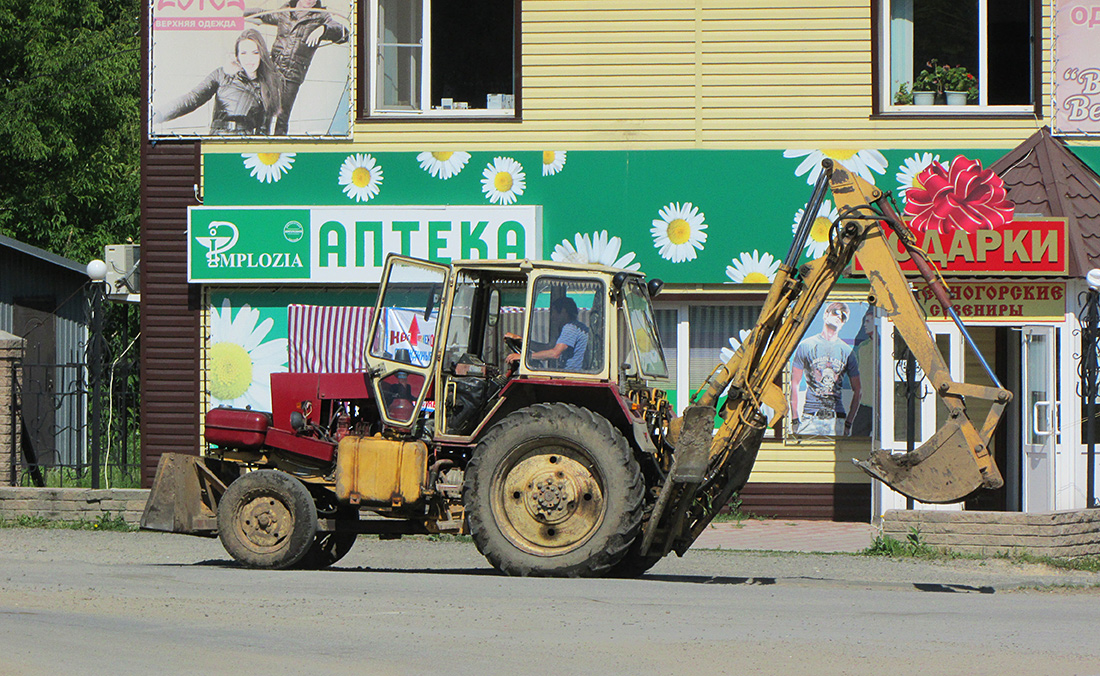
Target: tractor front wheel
267	519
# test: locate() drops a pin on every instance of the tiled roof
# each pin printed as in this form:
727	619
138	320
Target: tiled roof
1045	178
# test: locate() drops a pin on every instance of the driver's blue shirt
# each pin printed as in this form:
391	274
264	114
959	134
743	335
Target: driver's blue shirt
575	336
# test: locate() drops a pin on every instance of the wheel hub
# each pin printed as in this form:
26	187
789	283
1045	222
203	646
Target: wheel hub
552	498
551	501
265	521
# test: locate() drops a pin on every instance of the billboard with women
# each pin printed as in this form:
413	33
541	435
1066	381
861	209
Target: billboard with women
250	68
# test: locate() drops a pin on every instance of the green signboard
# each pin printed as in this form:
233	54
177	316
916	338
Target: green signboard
248	244
687	216
349	244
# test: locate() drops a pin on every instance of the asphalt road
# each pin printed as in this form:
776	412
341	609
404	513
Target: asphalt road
136	603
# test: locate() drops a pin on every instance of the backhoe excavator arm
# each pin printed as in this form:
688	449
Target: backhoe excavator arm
710	466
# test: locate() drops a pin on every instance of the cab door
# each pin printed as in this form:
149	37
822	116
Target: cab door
405	330
1038	417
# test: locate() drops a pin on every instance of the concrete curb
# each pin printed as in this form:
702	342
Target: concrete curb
1059	534
73	504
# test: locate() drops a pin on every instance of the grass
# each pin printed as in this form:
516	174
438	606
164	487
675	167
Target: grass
111	476
1089	564
735	514
914	546
105	523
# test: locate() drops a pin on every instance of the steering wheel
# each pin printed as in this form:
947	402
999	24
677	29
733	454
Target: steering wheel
513	344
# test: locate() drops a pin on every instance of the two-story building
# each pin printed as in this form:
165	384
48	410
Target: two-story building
292	146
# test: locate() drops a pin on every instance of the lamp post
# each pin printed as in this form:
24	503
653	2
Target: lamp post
97	273
1089	339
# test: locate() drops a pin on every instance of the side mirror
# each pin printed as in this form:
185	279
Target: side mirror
654	286
494	307
430	306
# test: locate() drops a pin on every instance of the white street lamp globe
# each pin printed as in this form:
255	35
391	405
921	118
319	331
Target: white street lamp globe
97	270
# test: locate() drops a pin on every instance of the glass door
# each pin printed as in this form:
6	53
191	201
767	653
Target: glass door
929	413
894	396
1038	417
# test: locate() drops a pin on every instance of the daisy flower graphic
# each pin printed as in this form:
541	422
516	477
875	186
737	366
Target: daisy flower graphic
443	165
728	352
753	268
503	180
597	248
361	176
239	362
552	161
911	168
679	232
860	162
268	167
818	241
735	345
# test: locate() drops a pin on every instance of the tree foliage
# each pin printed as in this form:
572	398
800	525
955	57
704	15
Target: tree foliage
69	123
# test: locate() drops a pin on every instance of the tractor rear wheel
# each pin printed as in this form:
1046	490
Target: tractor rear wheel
330	547
553	490
267	519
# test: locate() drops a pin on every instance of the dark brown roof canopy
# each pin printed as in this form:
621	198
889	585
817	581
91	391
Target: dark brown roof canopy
1045	178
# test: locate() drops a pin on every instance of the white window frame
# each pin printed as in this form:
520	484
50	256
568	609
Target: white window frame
425	109
887	85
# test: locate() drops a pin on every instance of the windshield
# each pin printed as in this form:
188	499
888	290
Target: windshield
643	331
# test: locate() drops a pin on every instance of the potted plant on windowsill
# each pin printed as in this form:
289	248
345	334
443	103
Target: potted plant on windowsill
903	97
927	84
959	85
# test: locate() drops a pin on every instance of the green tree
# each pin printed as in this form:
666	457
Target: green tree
69	123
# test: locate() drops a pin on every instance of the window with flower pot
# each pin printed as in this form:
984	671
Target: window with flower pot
982	52
440	57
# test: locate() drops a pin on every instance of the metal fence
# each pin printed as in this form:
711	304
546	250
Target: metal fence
76	423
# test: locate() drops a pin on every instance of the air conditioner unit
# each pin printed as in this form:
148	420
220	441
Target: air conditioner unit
123	279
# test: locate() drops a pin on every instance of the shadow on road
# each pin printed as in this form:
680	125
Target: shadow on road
680	579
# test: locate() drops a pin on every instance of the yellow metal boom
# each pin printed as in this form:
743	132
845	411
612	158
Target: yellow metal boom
710	466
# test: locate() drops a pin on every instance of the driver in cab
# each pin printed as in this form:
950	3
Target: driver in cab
568	350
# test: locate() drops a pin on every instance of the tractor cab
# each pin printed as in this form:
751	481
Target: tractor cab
449	340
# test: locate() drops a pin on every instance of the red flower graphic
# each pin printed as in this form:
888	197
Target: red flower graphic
966	197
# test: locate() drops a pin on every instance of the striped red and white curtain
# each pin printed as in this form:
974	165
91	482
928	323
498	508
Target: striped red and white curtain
324	339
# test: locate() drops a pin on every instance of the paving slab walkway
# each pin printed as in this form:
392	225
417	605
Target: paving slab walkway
787	535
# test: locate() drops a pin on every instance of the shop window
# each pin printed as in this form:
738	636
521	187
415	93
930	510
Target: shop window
994	40
711	328
666	326
441	57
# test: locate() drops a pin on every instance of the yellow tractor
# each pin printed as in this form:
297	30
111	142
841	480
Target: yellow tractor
553	450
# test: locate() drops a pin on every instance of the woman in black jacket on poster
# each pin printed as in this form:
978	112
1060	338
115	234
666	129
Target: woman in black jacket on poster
246	94
301	26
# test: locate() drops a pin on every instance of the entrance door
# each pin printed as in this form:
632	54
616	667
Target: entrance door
928	413
1038	417
894	399
33	320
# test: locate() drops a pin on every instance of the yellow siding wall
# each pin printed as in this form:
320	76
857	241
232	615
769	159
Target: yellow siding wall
723	74
709	74
811	463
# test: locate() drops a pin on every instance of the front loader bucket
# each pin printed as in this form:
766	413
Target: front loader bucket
184	497
943	469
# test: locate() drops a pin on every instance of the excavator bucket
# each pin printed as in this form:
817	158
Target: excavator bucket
943	469
693	445
184	497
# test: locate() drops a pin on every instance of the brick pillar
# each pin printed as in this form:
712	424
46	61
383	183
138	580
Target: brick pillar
11	352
